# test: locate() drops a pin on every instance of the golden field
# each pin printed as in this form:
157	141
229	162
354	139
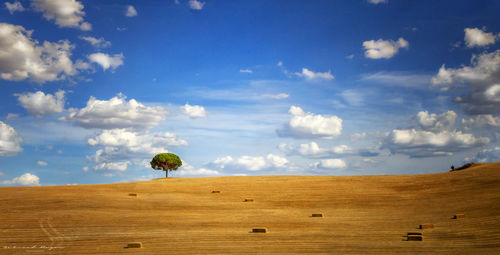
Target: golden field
362	215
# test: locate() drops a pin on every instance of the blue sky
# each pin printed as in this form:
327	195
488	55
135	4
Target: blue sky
91	90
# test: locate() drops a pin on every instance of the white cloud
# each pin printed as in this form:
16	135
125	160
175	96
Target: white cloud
308	125
116	112
66	13
112	166
475	37
41	163
486	155
383	48
9	141
13	7
131	11
85	168
96	42
26	179
333	163
250	163
312	149
481	80
378	1
246	71
350	56
436	121
39	103
188	170
276	96
23	58
194	111
147	143
122	148
106	61
196	5
280	63
308	74
482	120
421	143
198	172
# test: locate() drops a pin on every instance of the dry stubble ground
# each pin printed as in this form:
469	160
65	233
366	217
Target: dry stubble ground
363	215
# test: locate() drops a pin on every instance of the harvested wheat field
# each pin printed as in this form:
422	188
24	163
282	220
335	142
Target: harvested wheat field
360	215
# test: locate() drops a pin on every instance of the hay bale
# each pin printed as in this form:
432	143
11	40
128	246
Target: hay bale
426	226
248	200
414	234
260	230
215	191
134	245
132	194
415	238
317	215
459	216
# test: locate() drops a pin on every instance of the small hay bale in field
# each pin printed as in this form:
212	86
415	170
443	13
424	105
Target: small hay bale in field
248	200
414	234
426	226
260	230
415	238
132	194
459	216
134	245
215	191
317	215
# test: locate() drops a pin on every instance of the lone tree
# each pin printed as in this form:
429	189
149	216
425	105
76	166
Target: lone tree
166	162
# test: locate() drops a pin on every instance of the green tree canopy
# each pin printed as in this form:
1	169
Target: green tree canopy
166	162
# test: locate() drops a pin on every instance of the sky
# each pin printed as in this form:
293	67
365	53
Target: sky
91	90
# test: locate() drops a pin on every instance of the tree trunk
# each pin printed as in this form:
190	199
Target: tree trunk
166	172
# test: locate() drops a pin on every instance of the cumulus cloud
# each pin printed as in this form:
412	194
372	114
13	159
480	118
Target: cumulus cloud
436	121
122	147
65	13
481	81
383	48
9	141
26	179
378	1
116	112
14	7
196	5
435	137
188	170
333	163
475	37
24	58
485	155
112	166
41	163
312	149
250	163
147	143
483	120
194	111
96	42
309	125
39	103
106	61
131	11
311	75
